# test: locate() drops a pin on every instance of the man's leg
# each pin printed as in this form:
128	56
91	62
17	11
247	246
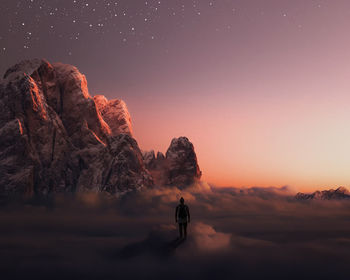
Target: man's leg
185	229
180	229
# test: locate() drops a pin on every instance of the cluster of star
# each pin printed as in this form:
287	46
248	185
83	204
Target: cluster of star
38	20
32	22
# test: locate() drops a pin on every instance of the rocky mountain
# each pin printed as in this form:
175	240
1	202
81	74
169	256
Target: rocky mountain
179	166
115	114
55	137
339	193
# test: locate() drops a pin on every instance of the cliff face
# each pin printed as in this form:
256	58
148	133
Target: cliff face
54	137
115	114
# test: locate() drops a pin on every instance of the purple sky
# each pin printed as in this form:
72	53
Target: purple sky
260	87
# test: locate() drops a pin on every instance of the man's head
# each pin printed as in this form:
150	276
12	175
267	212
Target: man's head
182	201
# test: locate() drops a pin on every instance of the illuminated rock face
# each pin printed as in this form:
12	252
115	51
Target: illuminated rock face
115	114
54	137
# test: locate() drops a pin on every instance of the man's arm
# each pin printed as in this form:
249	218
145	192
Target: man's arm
177	209
188	214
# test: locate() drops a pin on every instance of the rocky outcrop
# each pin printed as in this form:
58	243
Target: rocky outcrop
182	162
54	137
149	159
179	166
337	194
115	114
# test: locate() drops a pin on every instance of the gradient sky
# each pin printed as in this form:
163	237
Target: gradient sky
260	87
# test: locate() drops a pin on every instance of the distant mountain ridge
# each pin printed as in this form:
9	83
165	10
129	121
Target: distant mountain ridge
332	194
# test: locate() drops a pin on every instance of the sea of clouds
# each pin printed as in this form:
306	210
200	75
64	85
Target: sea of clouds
254	233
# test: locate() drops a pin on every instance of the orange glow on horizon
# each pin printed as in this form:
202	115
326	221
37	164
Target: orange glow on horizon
273	144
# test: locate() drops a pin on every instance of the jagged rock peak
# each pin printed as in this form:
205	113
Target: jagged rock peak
179	167
52	126
183	167
179	144
115	114
160	156
332	194
26	66
148	158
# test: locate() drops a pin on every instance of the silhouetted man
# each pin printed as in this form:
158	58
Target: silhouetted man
182	216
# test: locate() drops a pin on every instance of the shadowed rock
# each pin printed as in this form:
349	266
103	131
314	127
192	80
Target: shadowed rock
179	167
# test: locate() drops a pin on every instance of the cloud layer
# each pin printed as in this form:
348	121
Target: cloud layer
234	234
